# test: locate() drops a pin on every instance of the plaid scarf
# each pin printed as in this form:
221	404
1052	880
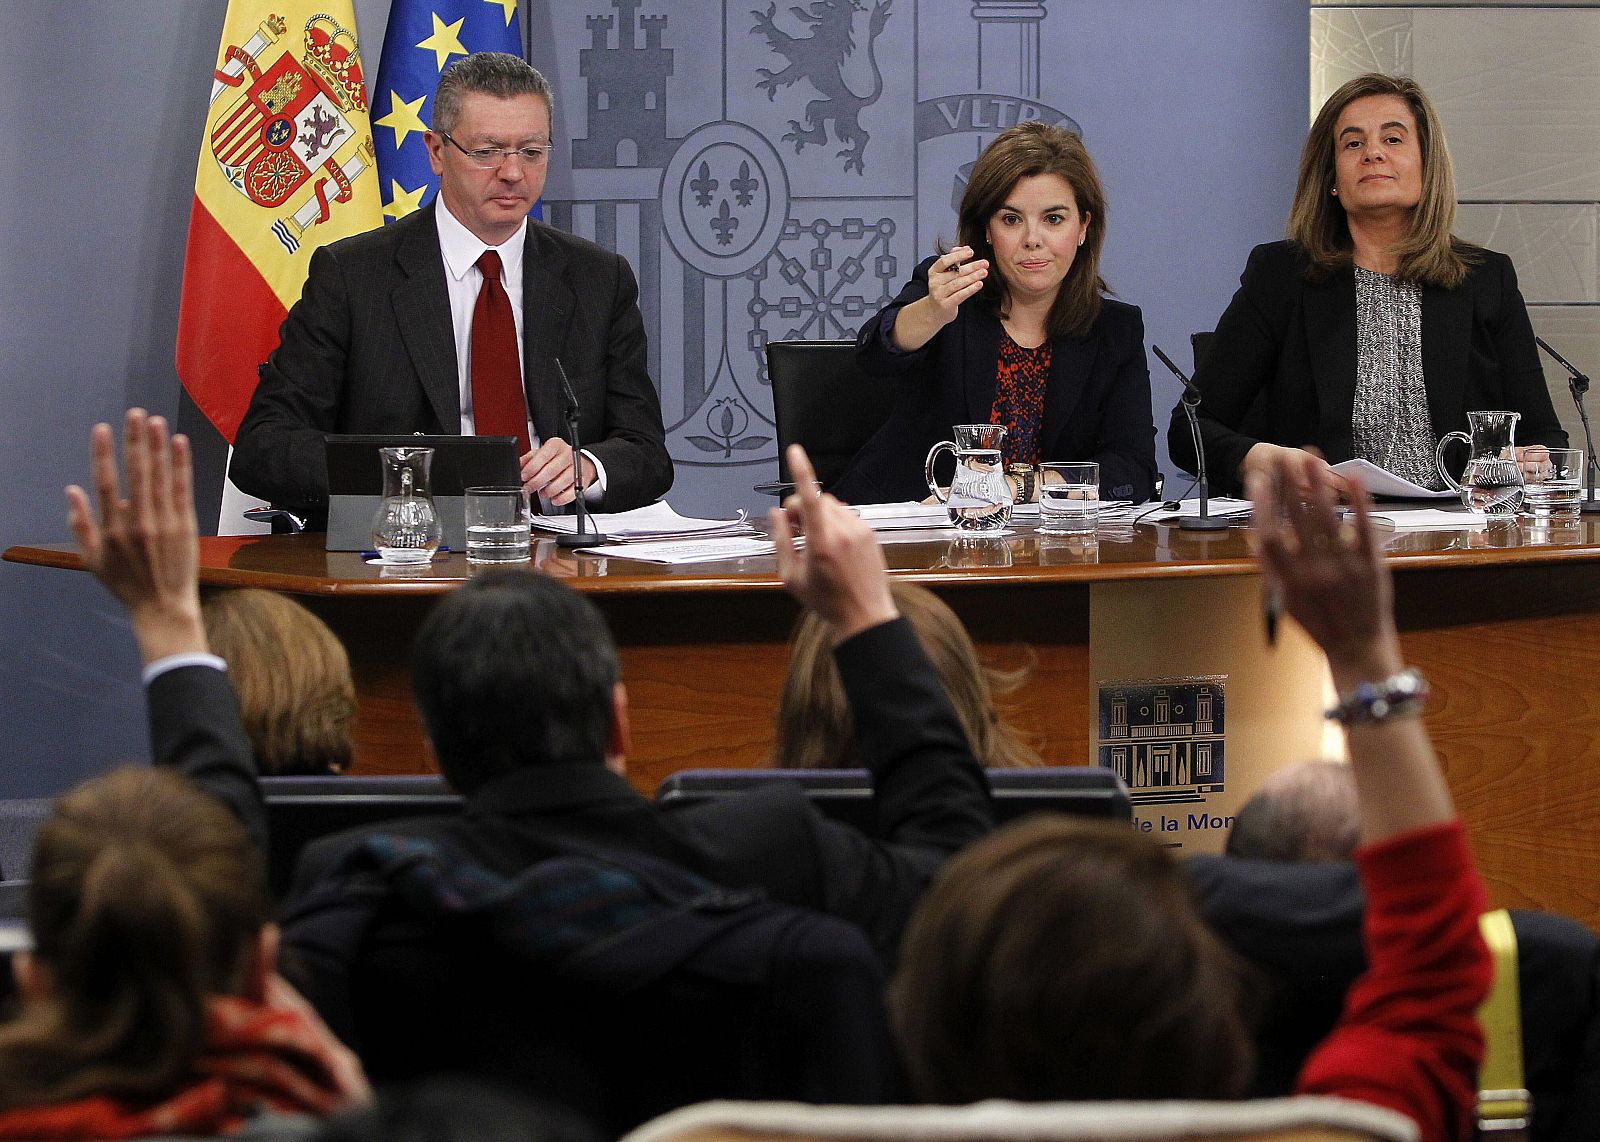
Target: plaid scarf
256	1059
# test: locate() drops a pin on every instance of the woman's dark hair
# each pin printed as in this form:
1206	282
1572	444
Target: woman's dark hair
1061	959
1019	152
147	897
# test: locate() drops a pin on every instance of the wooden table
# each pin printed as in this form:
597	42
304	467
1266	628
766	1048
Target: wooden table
1505	622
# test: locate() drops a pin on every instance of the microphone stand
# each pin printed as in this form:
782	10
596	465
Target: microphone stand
1578	385
581	536
1190	400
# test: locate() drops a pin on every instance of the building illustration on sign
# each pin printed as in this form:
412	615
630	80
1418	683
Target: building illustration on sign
1165	738
772	173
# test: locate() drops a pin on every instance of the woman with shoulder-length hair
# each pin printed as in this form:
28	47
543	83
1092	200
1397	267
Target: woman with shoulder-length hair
1012	327
151	1002
816	730
296	693
1373	330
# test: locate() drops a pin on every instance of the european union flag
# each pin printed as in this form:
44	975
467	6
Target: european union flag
422	39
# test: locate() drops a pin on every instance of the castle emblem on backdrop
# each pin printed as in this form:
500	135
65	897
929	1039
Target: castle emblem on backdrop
805	183
287	139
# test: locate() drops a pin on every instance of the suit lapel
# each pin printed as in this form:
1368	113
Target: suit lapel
1071	361
982	369
1446	334
1330	317
422	311
547	307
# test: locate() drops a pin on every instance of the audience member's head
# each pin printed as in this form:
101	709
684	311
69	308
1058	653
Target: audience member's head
514	669
1061	959
456	1108
293	679
147	898
815	729
1306	813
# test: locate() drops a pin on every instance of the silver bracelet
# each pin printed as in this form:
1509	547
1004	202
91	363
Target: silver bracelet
1397	696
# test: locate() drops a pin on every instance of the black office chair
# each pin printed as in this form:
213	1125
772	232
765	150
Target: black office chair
303	809
823	403
846	794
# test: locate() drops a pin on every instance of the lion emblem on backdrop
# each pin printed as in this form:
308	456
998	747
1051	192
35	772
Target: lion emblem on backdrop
819	59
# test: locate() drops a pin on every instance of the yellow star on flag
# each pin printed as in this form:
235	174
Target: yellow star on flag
445	41
403	117
403	201
510	7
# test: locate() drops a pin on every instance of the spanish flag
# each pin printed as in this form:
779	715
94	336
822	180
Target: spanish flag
286	165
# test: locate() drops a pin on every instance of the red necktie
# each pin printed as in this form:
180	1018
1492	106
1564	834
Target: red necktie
498	407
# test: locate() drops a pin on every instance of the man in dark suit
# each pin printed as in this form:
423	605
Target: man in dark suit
400	329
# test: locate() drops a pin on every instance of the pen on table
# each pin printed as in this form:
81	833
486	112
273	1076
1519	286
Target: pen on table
1271	611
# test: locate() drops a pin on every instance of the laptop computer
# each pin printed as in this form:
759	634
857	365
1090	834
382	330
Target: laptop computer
355	481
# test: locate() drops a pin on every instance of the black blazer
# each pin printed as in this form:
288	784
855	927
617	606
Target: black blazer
369	348
1282	365
1096	405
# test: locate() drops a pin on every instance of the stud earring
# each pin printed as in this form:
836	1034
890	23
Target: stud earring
1334	192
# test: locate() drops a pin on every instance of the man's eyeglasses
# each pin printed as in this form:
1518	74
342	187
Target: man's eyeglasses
490	158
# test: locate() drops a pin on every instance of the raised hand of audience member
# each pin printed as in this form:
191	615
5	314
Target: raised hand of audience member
838	569
1334	582
144	548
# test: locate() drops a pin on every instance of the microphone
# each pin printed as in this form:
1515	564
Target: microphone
1190	401
580	536
1578	385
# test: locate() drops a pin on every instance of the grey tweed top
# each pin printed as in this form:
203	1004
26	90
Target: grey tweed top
1391	423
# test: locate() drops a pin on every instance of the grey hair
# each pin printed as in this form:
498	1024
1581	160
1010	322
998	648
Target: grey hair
487	73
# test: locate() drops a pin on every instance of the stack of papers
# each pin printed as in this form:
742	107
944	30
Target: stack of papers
687	550
903	516
1222	507
1382	482
653	523
1432	519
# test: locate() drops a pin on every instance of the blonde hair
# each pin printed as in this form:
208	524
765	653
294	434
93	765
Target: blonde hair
293	678
1430	254
147	896
815	729
1028	149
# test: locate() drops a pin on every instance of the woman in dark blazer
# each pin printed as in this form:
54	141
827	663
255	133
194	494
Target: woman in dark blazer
1010	327
1372	331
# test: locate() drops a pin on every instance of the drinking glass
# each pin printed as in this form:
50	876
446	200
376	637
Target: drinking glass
1069	497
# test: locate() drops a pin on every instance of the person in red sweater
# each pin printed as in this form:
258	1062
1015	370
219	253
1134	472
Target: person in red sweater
1067	960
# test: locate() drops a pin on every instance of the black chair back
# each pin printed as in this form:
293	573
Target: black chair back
821	401
846	794
302	809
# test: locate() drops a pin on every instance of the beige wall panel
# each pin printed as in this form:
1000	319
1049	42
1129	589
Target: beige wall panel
1347	43
1574	331
1552	244
1518	88
1518	91
1450	4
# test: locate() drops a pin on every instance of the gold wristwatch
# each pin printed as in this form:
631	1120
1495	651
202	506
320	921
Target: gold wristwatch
1024	480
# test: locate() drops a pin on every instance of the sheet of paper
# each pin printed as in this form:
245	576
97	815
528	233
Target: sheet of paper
685	550
1432	519
656	521
1225	507
1382	482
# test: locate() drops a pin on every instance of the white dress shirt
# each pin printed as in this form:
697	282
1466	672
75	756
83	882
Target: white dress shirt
461	249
